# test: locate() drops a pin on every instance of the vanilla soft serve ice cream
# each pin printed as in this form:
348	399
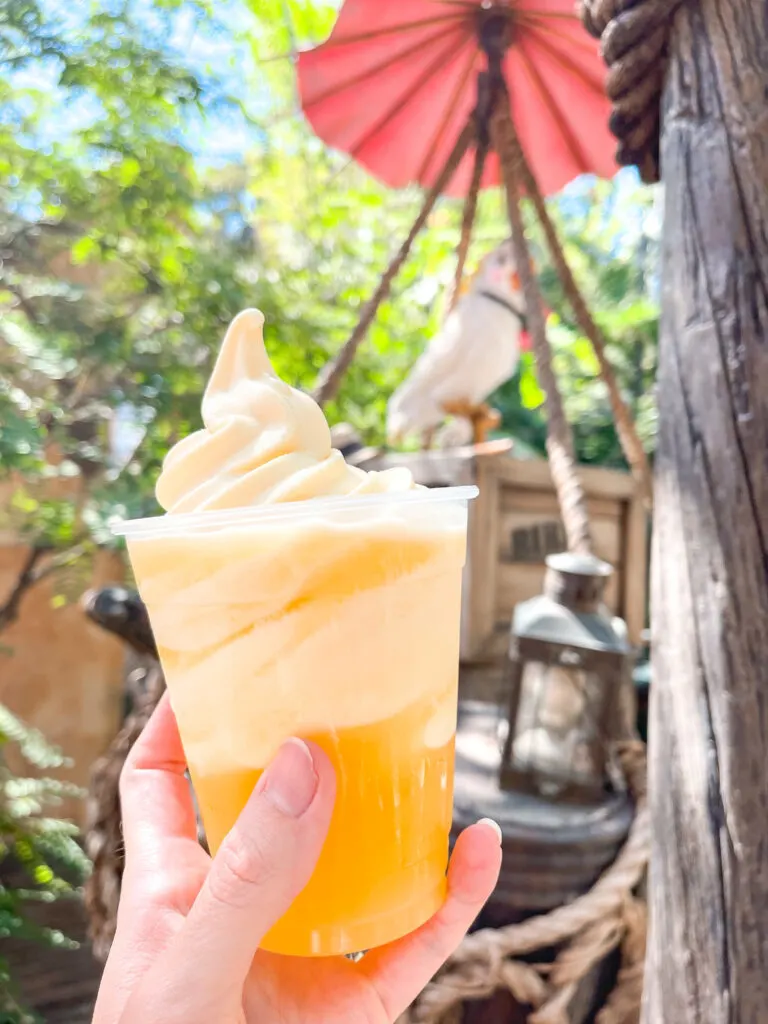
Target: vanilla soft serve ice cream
294	595
262	440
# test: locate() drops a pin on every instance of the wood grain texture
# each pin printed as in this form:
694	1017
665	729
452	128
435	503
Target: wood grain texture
634	575
708	953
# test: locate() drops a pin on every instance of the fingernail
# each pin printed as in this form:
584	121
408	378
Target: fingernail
290	782
494	825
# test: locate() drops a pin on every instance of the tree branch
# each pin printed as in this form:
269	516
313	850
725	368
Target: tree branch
33	573
9	611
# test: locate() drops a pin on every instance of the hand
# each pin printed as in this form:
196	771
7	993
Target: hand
188	929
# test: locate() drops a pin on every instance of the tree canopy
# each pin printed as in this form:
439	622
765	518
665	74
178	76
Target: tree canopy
128	244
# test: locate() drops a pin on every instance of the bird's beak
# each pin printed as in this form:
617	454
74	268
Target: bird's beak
525	341
514	281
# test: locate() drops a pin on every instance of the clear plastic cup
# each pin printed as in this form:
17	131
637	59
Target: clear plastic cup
336	620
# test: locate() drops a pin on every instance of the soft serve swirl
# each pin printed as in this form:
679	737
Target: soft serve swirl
262	440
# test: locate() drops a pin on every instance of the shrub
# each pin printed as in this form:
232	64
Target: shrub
40	858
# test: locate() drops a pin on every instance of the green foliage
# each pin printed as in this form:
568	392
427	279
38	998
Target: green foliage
42	847
128	255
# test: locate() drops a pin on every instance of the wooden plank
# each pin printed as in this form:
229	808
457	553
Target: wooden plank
545	502
482	564
533	474
441	467
635	574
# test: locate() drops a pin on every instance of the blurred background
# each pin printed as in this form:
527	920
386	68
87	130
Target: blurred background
156	177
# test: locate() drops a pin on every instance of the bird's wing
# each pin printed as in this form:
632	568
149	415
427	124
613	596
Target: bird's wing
413	406
486	356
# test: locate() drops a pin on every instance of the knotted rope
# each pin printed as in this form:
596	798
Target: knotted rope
586	930
634	37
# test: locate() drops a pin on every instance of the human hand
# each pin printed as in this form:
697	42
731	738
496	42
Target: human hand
188	927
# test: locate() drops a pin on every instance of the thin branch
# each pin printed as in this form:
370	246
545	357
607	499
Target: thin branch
23	302
31	574
9	611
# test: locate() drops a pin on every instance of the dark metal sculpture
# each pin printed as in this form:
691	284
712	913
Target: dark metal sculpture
122	612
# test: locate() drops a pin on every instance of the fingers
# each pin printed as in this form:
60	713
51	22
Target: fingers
164	863
155	797
400	970
262	865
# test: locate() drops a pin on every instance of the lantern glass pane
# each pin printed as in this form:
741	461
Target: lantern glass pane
557	729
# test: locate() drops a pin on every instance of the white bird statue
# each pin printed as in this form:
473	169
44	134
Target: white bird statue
475	351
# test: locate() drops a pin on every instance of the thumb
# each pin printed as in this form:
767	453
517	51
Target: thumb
262	865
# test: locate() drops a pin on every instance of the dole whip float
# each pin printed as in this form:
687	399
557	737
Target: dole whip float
293	595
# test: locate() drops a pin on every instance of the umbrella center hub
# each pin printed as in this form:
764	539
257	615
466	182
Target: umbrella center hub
495	29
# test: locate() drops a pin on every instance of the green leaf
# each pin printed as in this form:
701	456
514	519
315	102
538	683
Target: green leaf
531	394
128	172
582	351
83	250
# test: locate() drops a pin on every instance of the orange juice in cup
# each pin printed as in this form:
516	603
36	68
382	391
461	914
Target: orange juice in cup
293	595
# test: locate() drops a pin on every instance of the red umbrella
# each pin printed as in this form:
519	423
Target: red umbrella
395	84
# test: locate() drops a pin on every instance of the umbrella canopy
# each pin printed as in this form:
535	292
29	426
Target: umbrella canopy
395	84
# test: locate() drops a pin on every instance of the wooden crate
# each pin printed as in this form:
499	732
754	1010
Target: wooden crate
515	523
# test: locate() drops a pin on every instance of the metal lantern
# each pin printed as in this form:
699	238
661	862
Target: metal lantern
568	659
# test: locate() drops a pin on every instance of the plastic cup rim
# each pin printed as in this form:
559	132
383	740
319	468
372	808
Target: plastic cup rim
279	511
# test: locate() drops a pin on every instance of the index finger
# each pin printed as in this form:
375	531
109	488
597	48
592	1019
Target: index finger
155	796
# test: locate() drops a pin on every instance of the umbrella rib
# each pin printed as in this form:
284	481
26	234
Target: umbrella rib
595	83
387	30
530	14
539	21
448	113
570	139
431	70
374	69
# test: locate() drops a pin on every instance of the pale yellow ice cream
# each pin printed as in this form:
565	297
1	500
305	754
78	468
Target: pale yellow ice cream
263	441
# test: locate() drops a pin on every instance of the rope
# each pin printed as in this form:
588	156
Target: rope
623	1006
625	426
560	449
606	917
634	37
330	379
468	217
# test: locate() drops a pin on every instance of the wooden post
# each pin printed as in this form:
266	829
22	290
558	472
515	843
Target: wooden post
708	955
